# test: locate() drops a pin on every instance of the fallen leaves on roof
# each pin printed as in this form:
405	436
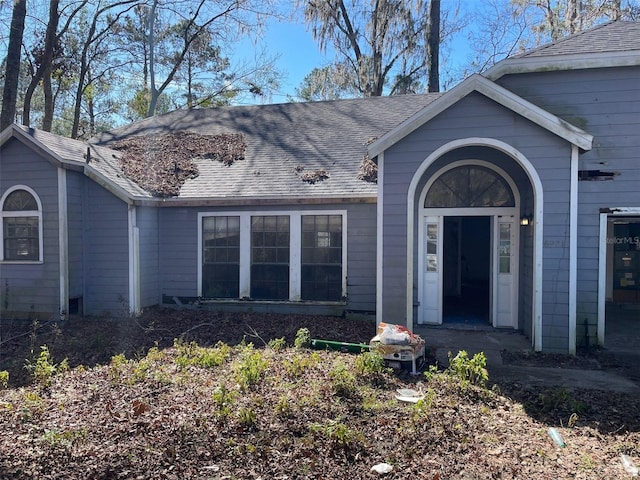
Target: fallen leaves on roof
162	163
368	170
314	176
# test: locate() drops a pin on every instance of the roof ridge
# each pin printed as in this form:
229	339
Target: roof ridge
570	37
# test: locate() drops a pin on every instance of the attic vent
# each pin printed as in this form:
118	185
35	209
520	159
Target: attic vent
595	175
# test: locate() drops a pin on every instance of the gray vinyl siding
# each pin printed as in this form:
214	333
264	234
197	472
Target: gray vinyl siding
107	253
606	104
147	221
75	190
32	290
477	116
179	243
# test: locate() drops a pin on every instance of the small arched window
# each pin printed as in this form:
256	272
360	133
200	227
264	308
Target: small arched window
21	214
469	186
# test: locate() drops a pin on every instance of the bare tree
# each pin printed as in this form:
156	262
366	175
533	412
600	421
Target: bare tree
12	71
382	41
44	60
555	19
95	34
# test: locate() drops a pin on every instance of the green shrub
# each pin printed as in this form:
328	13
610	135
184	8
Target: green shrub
192	354
300	362
249	369
43	369
4	379
303	338
339	434
223	399
247	417
343	381
277	344
469	370
370	364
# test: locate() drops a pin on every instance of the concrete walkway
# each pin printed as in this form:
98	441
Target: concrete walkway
442	340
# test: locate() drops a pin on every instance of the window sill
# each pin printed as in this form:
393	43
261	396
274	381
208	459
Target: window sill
21	262
238	301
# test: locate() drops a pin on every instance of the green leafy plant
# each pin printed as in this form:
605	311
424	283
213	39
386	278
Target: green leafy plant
43	369
283	406
560	399
303	338
277	344
343	382
116	367
370	364
469	370
223	399
4	379
64	439
249	370
191	354
300	362
247	417
339	434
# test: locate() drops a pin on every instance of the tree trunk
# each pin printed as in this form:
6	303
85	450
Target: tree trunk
45	62
433	47
47	118
12	73
153	101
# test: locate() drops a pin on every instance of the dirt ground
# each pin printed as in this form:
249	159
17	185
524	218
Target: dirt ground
93	341
157	413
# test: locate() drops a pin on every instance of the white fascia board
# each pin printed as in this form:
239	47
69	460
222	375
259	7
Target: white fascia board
496	93
14	131
537	115
103	181
563	62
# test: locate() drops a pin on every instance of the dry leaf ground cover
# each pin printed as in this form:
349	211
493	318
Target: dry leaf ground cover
211	408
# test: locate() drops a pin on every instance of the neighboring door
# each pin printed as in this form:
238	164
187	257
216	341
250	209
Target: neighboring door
505	287
431	270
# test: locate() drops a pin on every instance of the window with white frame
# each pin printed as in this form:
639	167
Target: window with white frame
221	257
21	214
270	257
273	256
322	257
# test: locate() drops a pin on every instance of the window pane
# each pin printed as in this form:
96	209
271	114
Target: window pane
221	257
432	247
270	282
19	200
469	186
322	257
270	257
21	238
505	248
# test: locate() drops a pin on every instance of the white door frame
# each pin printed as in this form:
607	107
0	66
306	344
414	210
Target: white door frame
538	214
437	215
602	262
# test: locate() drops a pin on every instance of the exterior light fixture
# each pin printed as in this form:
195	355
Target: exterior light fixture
525	220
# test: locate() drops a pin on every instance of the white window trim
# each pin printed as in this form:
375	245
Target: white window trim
295	248
22	213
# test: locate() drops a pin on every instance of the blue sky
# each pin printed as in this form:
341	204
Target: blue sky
298	53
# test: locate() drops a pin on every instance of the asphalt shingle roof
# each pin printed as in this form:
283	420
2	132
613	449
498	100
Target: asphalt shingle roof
610	37
282	142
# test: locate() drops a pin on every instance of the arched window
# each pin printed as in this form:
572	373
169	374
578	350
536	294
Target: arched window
469	186
21	214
